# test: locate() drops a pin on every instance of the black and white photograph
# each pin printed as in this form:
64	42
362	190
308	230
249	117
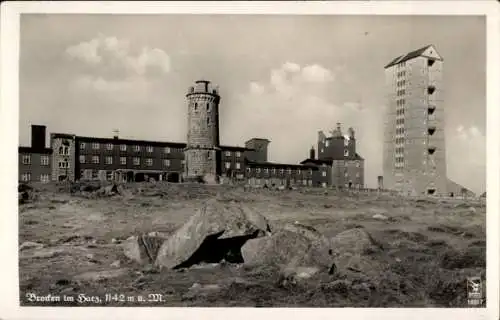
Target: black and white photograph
252	160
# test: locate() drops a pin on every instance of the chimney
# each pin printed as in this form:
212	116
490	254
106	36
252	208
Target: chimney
115	131
312	153
38	136
351	133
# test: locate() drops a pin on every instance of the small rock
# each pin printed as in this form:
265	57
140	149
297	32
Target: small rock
30	245
101	275
379	216
340	286
116	264
89	256
114	241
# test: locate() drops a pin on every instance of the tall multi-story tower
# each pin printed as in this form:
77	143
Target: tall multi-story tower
202	151
414	160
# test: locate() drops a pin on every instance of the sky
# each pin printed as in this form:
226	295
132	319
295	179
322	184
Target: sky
280	77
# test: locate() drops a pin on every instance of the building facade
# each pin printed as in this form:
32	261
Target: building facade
414	143
35	162
339	165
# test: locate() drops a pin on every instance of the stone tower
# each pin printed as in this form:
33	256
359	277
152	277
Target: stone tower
414	160
202	151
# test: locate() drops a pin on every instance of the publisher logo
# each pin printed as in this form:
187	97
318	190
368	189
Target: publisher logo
474	291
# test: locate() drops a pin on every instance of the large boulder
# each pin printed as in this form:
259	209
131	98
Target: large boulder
293	246
215	232
144	248
353	251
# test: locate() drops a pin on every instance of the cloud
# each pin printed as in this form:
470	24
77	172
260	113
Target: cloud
466	157
112	52
116	67
292	105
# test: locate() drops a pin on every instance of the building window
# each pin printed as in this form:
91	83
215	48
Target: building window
95	146
95	159
183	162
249	170
109	146
358	164
44	160
150	149
64	150
289	171
123	147
166	162
282	171
109	175
238	154
228	165
322	150
274	171
64	164
149	162
257	170
228	153
108	160
82	146
304	182
238	165
44	178
137	161
327	143
26	159
167	150
26	177
123	160
137	148
323	173
298	171
82	159
266	170
346	153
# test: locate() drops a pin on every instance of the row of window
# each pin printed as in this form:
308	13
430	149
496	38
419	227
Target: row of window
401	74
44	160
400	131
401	65
44	177
196	106
401	83
401	92
400	150
283	182
124	147
274	170
400	102
400	159
400	140
400	121
123	160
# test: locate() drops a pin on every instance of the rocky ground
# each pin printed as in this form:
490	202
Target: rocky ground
419	252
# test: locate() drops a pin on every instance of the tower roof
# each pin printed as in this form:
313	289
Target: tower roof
410	55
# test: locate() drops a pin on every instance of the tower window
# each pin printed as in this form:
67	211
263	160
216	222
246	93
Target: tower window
430	62
431	131
208	106
431	150
431	110
431	89
195	106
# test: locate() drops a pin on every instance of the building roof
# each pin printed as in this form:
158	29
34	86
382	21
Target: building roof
278	165
408	56
236	148
317	161
22	149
